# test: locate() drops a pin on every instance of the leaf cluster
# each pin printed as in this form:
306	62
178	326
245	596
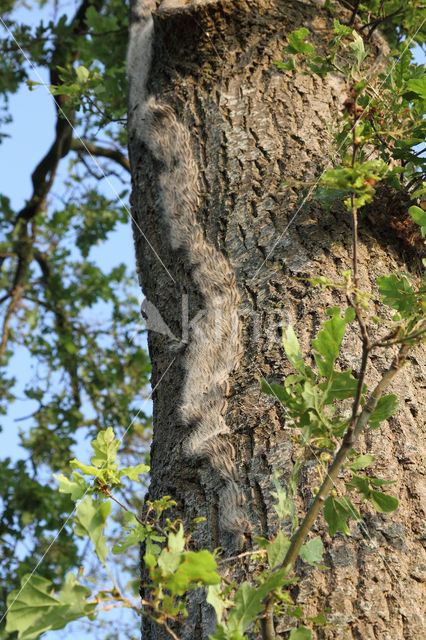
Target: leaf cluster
384	111
318	404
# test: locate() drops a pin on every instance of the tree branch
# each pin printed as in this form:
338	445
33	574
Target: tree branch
83	146
44	173
23	251
16	296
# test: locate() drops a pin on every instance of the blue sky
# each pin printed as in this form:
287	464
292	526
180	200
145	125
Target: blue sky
31	133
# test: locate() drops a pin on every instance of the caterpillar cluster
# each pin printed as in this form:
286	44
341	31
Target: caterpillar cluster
214	349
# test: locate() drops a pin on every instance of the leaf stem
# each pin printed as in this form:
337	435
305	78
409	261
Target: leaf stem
404	339
107	492
349	439
267	620
353	204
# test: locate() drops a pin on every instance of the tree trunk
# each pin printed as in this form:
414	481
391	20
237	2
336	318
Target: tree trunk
234	129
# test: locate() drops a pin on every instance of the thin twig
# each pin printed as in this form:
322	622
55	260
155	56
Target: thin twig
84	146
167	628
353	206
242	555
375	23
5	331
354	12
361	378
267	620
104	489
358	422
403	339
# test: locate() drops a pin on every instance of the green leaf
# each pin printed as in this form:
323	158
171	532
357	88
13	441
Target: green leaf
361	483
357	48
273	389
329	339
398	294
149	560
76	487
341	29
275	549
176	541
378	482
340	385
133	472
336	513
419	216
70	347
179	569
82	74
105	447
382	502
360	462
386	407
34	609
313	397
85	468
301	633
289	65
418	85
285	506
170	557
135	537
90	521
296	44
193	567
249	601
216	601
223	633
312	551
292	349
200	566
161	505
137	533
169	561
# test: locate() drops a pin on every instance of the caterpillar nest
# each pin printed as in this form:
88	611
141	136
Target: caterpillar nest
214	350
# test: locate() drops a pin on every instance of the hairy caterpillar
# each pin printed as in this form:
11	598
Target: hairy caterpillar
214	350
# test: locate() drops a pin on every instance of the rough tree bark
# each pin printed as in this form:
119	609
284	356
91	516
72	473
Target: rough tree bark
252	127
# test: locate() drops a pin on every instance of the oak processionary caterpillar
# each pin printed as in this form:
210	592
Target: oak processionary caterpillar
214	350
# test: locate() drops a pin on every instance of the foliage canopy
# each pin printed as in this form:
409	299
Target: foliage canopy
75	322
